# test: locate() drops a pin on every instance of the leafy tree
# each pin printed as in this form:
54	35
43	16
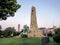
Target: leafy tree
0	27
9	31
0	33
57	31
26	28
24	36
0	30
50	34
16	33
24	31
56	37
8	8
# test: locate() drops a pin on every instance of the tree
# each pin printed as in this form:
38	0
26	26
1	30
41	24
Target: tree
0	30
57	31
24	36
50	34
0	33
0	27
26	28
8	8
24	31
16	33
56	37
9	31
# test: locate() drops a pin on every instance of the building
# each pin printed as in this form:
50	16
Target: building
33	25
52	30
42	29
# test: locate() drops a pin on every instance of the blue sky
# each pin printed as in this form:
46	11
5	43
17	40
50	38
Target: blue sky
47	12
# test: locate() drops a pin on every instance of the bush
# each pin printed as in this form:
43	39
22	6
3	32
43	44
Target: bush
56	38
50	34
9	31
1	34
24	36
16	33
57	31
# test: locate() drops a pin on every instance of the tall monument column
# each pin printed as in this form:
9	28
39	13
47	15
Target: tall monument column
33	25
18	27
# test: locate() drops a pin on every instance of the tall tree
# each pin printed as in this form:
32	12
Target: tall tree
8	8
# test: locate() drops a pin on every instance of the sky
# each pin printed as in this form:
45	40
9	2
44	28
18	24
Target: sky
47	13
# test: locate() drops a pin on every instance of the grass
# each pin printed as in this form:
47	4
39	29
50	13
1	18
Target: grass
20	41
24	41
52	42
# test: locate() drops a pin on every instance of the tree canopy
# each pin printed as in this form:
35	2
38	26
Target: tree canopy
8	8
56	37
26	28
0	27
8	31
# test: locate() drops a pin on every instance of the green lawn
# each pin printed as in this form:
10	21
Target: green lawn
20	41
52	42
23	41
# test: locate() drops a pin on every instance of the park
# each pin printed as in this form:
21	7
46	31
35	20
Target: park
18	26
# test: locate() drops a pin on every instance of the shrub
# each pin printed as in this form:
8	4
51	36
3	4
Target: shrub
50	34
56	38
9	31
24	36
16	33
